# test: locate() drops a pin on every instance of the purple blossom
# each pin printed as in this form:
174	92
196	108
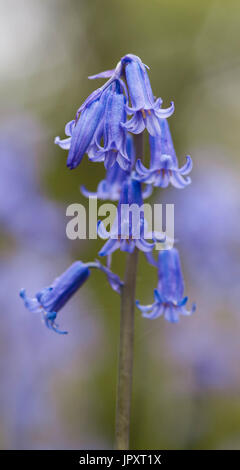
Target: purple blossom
51	299
168	297
82	131
26	214
126	233
164	167
114	135
147	112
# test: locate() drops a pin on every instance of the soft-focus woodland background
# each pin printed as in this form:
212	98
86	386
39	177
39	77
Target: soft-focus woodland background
59	391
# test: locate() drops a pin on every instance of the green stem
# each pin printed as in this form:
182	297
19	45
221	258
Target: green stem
126	347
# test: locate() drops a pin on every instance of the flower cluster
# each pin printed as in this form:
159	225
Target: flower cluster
104	129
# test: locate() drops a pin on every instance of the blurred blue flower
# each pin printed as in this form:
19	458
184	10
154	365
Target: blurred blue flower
169	300
127	233
51	299
26	214
207	224
164	164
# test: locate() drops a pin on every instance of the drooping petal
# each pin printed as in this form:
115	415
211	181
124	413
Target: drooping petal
165	113
49	320
178	181
187	168
136	124
63	143
143	245
105	74
31	304
147	191
69	127
152	123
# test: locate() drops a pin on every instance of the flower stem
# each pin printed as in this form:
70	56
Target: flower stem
126	347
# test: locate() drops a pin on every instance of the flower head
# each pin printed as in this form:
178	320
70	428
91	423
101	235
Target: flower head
168	297
114	135
81	132
51	299
146	111
129	228
164	164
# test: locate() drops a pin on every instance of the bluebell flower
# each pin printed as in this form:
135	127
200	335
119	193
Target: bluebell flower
81	131
126	233
145	109
147	112
114	135
110	188
164	167
168	297
51	299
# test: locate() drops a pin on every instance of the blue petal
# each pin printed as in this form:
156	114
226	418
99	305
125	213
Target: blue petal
87	193
144	308
105	74
64	143
49	319
171	314
63	287
31	304
84	131
147	191
143	245
136	124
165	113
179	181
152	124
187	168
150	258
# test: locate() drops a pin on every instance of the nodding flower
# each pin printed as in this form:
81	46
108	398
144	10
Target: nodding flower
147	112
114	136
164	167
129	229
110	188
168	297
51	299
81	131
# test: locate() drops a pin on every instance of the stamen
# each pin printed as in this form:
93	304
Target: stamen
143	113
